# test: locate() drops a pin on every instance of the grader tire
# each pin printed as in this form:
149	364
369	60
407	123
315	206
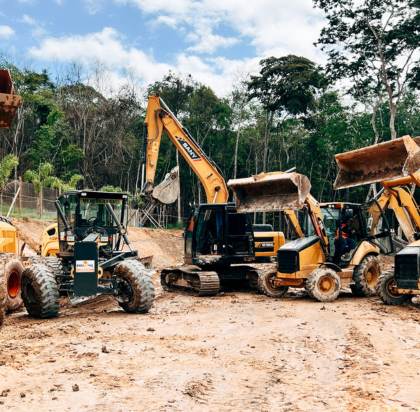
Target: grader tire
323	284
384	290
137	292
366	276
2	300
13	270
40	292
266	286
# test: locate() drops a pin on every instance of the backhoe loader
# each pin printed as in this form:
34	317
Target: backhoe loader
11	267
218	240
393	164
337	251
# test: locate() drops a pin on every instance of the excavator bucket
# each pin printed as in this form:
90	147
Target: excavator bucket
270	192
378	163
167	190
9	101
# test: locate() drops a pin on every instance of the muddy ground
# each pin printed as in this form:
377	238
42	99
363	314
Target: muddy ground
236	351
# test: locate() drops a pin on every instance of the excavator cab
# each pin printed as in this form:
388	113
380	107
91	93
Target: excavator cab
216	234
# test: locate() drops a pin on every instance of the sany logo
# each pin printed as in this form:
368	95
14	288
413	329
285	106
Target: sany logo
191	152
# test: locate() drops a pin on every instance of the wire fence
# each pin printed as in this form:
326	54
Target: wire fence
21	199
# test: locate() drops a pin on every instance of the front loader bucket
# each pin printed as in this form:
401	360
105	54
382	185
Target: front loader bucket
378	163
9	101
270	192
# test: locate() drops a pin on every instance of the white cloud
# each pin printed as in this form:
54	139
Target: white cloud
107	49
6	32
38	29
271	26
93	6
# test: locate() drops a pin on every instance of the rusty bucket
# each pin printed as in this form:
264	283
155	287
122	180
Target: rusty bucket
269	192
378	163
9	101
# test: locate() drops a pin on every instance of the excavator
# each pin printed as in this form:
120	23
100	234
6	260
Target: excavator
10	268
336	252
395	165
219	242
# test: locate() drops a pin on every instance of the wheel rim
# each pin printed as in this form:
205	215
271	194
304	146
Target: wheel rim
326	284
13	284
125	291
372	276
390	287
270	282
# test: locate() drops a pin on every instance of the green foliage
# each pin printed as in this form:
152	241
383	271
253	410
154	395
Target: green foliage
110	188
288	83
7	165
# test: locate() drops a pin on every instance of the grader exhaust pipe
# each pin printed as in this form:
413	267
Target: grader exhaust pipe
9	101
270	192
378	163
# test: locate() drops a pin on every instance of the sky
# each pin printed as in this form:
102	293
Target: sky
139	41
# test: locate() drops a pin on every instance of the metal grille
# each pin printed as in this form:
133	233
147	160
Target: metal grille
288	261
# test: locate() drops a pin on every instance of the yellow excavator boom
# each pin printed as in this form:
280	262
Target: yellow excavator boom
159	118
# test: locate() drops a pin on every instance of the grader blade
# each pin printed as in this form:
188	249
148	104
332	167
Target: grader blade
378	163
269	192
9	101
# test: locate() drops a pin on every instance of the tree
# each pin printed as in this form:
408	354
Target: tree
43	177
373	43
7	165
285	84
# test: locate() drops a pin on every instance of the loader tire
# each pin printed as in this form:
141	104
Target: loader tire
366	276
13	270
40	292
323	284
2	300
136	292
385	287
266	286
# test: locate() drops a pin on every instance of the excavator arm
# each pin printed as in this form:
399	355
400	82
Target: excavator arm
160	119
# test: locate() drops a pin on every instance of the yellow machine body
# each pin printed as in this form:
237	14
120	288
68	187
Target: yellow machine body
49	241
8	238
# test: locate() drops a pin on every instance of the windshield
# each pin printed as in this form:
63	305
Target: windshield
91	211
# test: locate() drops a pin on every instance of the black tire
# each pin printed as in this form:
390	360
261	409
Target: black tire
366	276
136	291
384	290
13	270
323	284
266	286
40	292
253	281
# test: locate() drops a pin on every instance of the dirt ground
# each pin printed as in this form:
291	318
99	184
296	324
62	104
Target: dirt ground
236	351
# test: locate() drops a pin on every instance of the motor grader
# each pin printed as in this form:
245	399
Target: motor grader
10	266
311	262
394	163
94	258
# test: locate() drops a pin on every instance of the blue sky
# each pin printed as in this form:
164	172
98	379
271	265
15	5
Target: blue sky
138	41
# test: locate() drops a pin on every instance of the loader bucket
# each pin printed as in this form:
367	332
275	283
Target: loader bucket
270	192
9	101
378	163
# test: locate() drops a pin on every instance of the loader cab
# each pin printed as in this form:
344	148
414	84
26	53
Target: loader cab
347	226
216	234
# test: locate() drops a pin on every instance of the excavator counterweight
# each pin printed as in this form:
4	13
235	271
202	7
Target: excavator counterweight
378	163
269	192
9	101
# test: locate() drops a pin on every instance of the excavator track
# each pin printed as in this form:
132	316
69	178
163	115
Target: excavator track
192	279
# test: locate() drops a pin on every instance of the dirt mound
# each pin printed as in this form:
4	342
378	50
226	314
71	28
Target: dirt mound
166	246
